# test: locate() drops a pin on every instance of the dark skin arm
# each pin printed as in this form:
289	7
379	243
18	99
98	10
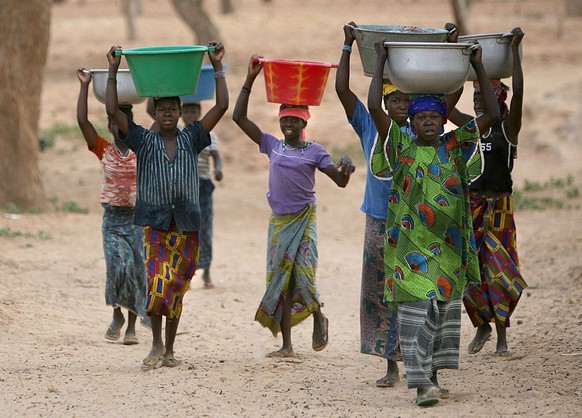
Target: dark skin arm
490	113
342	78
111	101
212	117
217	160
87	128
513	121
341	173
379	116
239	114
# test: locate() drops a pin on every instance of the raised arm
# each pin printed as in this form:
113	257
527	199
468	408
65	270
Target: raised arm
341	173
211	118
490	113
111	101
87	128
513	121
239	115
217	160
342	76
379	116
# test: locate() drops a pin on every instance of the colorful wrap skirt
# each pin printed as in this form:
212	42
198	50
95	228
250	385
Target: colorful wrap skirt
501	281
291	255
126	282
378	322
171	258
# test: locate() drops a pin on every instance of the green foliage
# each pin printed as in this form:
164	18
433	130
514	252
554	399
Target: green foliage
67	206
9	233
69	131
555	193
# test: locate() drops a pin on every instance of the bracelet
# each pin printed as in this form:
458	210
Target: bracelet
219	74
245	89
111	80
347	48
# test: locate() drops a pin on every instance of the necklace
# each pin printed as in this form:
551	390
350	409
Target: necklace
302	146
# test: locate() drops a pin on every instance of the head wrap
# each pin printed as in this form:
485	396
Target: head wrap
388	88
421	102
301	112
500	90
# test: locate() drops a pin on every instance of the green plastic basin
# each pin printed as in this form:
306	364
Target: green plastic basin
164	71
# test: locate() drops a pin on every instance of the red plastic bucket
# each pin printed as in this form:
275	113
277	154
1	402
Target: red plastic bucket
295	82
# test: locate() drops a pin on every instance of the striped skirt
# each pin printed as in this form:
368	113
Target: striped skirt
501	282
291	253
171	258
430	335
126	283
378	323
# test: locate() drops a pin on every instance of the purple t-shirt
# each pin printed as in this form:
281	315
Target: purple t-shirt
292	173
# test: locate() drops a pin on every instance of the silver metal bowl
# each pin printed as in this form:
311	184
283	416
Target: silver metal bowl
496	56
126	93
367	35
428	67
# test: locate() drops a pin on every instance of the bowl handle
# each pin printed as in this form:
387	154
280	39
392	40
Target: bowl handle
118	52
506	37
470	49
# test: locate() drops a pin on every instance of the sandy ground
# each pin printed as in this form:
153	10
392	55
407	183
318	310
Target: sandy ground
55	361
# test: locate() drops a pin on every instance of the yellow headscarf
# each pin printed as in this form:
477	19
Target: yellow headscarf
388	88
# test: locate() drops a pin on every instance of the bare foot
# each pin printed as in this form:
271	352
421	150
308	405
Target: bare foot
387	381
114	331
153	359
170	361
482	335
282	353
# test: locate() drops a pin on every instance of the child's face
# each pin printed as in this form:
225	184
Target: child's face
190	113
396	104
291	126
428	124
167	113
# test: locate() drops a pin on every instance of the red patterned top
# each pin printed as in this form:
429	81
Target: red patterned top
119	174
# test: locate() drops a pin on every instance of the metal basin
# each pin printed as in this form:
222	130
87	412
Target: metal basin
126	93
428	67
367	35
497	57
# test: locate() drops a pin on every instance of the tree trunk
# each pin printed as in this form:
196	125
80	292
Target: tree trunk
131	9
192	12
226	7
461	11
25	31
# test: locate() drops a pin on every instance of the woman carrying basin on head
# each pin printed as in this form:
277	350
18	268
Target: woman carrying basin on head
429	251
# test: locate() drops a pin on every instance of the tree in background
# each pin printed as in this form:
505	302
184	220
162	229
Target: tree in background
25	32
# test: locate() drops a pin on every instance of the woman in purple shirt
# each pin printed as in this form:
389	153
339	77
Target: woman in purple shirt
292	293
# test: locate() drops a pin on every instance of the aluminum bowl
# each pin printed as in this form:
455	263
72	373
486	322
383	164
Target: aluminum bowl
126	93
428	67
367	35
496	56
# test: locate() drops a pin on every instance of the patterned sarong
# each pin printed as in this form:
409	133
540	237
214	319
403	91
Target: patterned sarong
171	258
378	323
501	281
430	335
291	253
126	282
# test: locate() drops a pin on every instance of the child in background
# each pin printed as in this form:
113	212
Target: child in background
126	281
495	299
167	203
292	294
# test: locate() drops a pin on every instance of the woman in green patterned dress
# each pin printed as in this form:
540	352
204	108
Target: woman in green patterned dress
429	250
